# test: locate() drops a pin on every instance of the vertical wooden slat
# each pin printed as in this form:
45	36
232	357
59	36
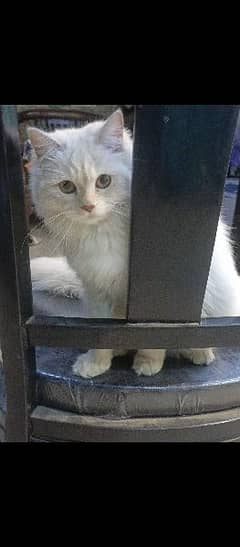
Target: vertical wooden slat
15	286
236	229
181	155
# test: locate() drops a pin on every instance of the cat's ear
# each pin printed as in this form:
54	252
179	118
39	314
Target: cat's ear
111	134
41	141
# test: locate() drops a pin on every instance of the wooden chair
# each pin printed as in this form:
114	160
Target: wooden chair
181	156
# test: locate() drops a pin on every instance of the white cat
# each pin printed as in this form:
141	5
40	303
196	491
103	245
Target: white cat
81	186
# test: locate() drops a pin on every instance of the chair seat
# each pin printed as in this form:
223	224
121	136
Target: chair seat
181	388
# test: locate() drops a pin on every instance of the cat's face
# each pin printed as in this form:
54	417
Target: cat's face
82	174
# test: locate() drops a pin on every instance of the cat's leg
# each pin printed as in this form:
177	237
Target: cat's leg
96	362
148	362
197	356
119	312
54	276
93	363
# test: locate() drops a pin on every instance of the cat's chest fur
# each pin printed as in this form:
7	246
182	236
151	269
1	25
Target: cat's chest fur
99	255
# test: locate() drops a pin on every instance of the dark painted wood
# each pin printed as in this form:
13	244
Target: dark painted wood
59	425
236	230
181	156
15	287
92	333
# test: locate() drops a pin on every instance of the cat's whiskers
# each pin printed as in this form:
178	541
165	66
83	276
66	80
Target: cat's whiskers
123	207
51	248
54	234
40	224
67	239
54	219
63	239
120	212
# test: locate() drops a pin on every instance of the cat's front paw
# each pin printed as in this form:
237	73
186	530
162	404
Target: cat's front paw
91	364
146	364
202	356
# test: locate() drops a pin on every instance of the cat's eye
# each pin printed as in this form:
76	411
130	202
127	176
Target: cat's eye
67	187
103	181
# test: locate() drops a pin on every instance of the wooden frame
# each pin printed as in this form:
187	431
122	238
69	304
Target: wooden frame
178	181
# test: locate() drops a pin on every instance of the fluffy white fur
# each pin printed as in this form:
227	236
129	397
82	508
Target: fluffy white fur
54	275
96	243
222	297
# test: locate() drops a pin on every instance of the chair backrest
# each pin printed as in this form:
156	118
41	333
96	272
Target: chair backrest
181	156
180	164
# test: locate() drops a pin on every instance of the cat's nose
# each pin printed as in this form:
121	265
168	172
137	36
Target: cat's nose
88	207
